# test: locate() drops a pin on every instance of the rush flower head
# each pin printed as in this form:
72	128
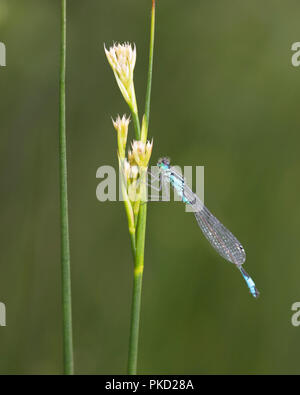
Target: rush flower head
130	172
131	158
126	169
134	172
122	58
121	126
141	152
130	184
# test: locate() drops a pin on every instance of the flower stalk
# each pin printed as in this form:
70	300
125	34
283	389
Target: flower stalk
141	225
133	170
65	244
150	70
124	171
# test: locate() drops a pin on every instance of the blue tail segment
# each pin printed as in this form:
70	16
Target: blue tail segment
249	282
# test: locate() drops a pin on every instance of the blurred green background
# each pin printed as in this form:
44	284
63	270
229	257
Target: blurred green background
225	96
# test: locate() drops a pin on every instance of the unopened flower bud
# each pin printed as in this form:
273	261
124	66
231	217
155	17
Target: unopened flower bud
121	126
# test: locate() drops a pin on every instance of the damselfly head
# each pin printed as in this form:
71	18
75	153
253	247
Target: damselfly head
164	162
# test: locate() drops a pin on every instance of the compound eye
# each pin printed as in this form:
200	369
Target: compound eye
166	161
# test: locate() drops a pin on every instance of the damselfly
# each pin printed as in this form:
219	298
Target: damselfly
222	240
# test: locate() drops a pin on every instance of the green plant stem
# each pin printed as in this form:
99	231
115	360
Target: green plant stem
128	209
133	248
65	246
140	231
131	225
149	84
136	123
137	290
135	323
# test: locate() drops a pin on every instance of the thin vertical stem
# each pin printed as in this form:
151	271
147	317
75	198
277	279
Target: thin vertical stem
135	117
135	322
136	124
129	213
149	85
65	247
140	233
137	289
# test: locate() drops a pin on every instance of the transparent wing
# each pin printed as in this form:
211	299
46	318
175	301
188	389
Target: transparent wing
220	237
222	240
